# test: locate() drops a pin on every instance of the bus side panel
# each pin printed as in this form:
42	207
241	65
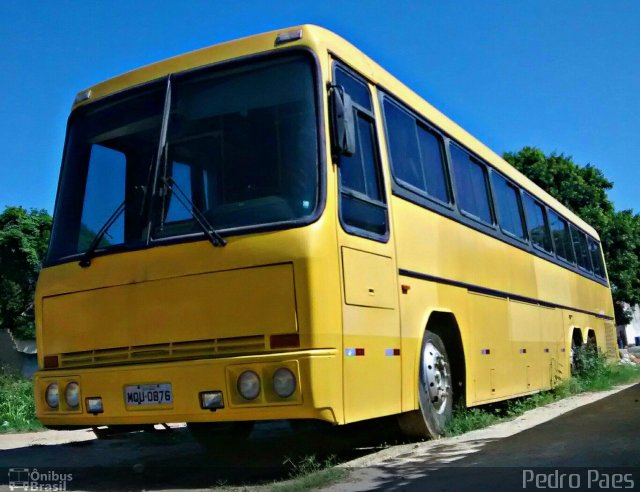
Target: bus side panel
490	343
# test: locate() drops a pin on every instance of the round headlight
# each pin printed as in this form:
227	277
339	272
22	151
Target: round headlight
249	385
284	382
51	395
72	395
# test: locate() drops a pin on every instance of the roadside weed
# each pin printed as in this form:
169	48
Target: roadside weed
310	473
17	409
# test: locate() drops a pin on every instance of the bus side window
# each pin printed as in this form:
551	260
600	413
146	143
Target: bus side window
537	223
471	184
561	237
363	208
596	258
580	246
508	206
417	153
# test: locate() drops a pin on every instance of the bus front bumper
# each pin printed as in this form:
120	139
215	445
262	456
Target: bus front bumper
317	396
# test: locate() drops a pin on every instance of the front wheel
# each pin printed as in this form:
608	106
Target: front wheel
435	392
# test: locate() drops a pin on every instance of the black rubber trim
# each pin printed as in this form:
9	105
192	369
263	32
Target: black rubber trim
478	289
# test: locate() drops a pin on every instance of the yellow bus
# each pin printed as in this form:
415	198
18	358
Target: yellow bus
277	228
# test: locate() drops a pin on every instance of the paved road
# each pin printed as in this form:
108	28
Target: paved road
603	437
601	434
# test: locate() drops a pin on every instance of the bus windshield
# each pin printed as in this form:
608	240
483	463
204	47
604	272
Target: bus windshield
241	143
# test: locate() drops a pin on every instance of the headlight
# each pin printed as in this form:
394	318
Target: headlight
51	395
72	395
249	385
284	382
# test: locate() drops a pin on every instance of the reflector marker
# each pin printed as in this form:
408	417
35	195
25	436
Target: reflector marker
391	352
523	350
546	351
353	352
485	351
562	350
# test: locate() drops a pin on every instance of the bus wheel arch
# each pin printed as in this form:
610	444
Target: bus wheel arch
440	377
576	343
445	325
592	339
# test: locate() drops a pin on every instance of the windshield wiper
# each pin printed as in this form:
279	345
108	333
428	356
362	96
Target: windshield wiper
215	238
85	261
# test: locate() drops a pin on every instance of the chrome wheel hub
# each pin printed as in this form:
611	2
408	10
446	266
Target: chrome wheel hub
436	377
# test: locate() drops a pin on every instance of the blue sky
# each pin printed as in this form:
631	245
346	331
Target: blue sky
560	75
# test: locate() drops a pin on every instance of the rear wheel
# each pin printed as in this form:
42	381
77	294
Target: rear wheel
574	357
592	341
435	392
215	435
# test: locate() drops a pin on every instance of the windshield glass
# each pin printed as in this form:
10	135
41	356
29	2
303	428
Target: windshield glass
241	143
110	152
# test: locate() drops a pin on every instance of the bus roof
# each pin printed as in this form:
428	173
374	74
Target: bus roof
321	39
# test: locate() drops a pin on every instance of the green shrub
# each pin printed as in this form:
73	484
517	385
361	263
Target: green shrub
17	408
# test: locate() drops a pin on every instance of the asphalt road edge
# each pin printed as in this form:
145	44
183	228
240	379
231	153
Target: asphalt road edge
529	419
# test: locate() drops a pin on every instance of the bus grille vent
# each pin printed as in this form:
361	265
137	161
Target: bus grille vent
216	347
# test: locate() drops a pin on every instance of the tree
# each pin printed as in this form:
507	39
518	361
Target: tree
24	237
583	189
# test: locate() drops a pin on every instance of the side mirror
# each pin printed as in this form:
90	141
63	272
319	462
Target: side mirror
343	129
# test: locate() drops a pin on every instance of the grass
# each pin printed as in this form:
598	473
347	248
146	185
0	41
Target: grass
593	373
17	408
309	473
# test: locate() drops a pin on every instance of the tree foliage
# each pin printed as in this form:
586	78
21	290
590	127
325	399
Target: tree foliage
24	237
583	189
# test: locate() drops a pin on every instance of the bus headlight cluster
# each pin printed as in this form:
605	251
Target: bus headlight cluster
284	382
51	395
71	395
249	385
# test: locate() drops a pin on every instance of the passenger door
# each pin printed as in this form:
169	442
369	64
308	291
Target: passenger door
371	328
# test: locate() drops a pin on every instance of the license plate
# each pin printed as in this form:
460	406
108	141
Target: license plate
148	394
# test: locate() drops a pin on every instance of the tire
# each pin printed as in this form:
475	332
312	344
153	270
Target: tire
435	392
214	436
592	342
